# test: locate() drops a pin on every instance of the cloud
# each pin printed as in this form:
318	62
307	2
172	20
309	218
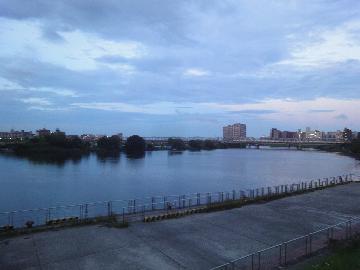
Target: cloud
56	91
6	85
341	117
278	110
196	72
78	51
300	111
37	101
157	108
324	48
288	64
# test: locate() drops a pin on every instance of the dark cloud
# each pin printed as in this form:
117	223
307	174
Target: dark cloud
321	111
341	117
253	111
236	43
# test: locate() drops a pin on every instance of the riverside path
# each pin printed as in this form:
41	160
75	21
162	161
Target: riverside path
200	241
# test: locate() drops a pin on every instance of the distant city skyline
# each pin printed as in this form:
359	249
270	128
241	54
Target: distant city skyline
231	132
184	68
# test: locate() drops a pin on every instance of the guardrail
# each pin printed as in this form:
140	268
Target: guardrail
136	209
290	251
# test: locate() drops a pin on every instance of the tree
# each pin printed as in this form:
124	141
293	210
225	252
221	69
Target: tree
109	144
347	134
355	146
176	144
150	147
195	144
209	145
135	145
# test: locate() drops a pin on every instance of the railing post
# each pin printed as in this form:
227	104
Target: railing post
349	229
285	254
259	254
252	261
280	255
49	214
209	198
86	211
109	208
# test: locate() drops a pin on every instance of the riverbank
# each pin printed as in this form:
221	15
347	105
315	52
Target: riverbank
350	149
199	241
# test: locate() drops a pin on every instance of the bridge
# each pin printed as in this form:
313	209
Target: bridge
290	143
250	142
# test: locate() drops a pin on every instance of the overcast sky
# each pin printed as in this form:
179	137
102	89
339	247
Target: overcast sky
184	68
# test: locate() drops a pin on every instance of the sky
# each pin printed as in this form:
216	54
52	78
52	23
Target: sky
179	68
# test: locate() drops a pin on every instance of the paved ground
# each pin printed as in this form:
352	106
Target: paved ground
199	241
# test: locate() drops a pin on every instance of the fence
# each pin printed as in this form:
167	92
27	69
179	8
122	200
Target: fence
291	251
137	208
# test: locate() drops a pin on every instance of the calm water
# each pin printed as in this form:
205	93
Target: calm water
24	184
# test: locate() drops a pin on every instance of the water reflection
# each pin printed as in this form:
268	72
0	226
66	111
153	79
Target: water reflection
44	159
135	155
173	153
108	156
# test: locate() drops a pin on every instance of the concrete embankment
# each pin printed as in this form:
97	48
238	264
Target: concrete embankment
199	241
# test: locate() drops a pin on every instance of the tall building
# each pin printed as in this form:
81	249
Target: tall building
234	133
228	133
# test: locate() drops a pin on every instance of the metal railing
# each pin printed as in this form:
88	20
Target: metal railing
138	208
290	251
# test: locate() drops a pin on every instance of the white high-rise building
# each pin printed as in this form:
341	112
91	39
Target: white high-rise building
234	133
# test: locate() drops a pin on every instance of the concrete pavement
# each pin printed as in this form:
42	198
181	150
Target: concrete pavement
198	241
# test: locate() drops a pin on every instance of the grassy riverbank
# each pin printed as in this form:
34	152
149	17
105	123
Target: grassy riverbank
342	256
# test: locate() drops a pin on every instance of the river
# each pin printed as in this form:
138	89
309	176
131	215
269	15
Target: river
26	185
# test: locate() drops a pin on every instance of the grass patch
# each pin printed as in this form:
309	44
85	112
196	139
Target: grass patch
344	256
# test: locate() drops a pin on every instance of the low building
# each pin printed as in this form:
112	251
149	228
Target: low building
43	132
59	132
16	135
276	134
